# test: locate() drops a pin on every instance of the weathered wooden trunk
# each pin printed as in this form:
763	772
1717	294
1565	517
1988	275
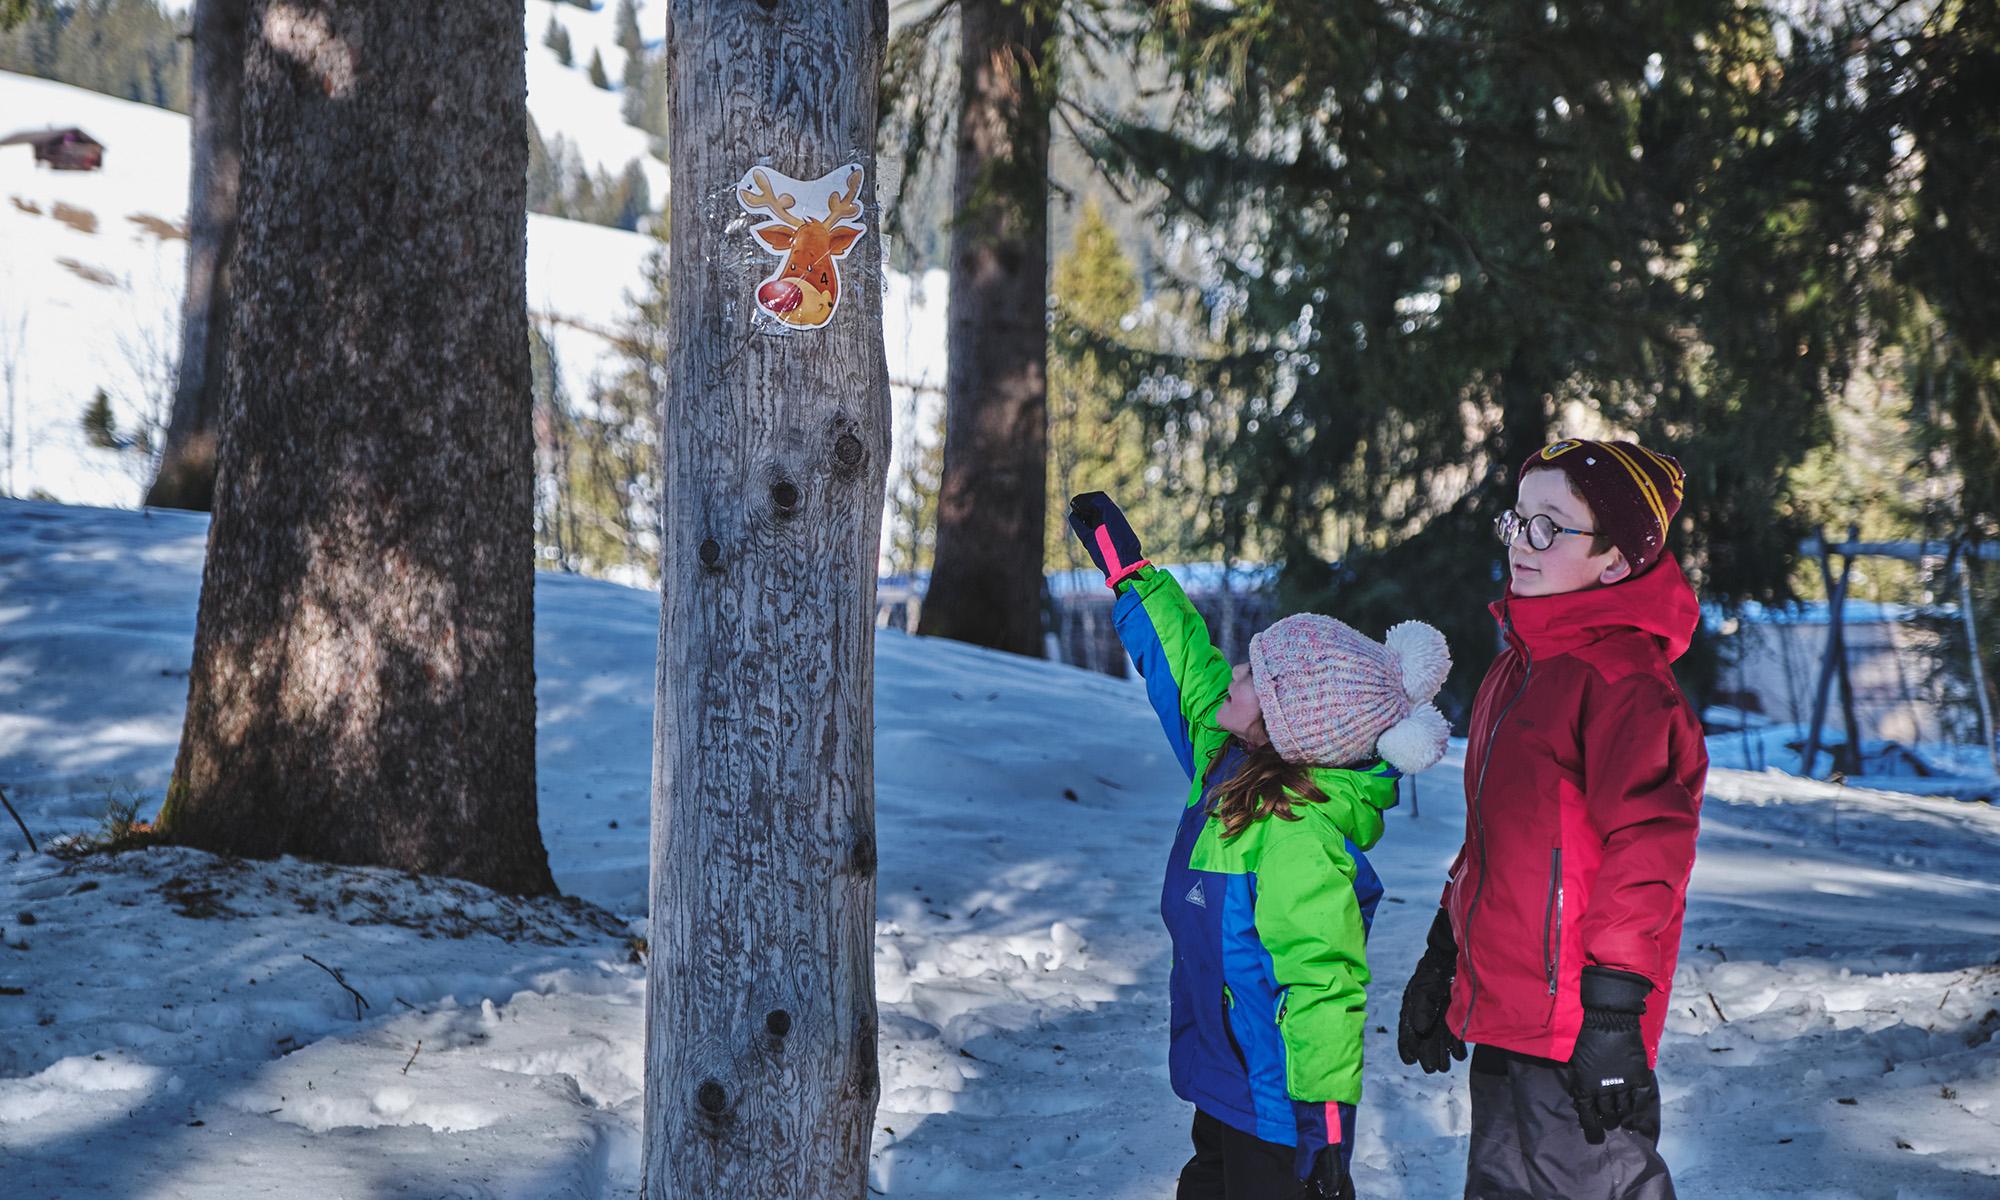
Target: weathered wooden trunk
363	679
186	474
987	576
760	1036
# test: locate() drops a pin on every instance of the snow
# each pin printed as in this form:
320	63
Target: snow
1754	743
564	101
84	302
83	310
1831	1035
68	335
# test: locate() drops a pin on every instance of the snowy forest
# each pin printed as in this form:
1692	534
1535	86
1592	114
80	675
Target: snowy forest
628	598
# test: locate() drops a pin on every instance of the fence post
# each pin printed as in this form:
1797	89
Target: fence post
1978	668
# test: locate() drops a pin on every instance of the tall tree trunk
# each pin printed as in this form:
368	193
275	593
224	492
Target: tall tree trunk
186	475
1524	422
760	1035
363	680
986	583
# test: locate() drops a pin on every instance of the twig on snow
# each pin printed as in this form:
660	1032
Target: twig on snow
18	821
1718	1008
413	1055
360	1001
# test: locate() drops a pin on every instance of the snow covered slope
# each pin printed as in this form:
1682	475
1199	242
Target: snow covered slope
1831	1036
92	265
563	100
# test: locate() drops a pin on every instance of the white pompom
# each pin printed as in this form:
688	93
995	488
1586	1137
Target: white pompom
1416	742
1426	659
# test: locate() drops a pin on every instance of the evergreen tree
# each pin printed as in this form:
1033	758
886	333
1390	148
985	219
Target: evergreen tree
14	12
613	457
597	75
100	426
554	423
650	112
632	197
584	190
632	96
131	49
1438	241
626	23
557	39
1097	441
545	174
1940	85
913	489
597	475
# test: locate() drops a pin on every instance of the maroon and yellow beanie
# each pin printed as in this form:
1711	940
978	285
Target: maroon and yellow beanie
1633	492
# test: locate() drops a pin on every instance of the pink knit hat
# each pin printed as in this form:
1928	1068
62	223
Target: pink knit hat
1333	697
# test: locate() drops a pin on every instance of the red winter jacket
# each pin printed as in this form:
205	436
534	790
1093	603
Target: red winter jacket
1583	782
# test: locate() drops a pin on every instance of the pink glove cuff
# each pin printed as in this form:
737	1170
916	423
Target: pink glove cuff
1115	572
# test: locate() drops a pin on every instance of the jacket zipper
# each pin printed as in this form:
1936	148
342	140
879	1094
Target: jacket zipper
1479	815
1229	1027
1552	948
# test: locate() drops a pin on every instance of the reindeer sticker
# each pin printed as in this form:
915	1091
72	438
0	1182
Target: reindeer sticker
817	223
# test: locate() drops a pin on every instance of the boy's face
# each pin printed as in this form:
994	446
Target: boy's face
1568	565
1242	713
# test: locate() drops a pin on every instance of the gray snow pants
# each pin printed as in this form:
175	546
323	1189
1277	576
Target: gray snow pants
1528	1145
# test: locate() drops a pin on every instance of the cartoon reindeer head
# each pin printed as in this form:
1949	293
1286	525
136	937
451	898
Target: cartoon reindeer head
805	289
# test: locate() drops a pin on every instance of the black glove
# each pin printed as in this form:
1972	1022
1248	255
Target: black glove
1106	536
1422	1033
1328	1179
1608	1076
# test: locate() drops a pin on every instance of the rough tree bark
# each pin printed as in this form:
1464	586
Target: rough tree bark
186	474
363	679
986	580
760	1035
761	1021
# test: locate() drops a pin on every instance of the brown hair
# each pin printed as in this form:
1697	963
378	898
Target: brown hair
1264	785
1599	542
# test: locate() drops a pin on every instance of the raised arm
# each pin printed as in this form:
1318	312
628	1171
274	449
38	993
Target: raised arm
1187	679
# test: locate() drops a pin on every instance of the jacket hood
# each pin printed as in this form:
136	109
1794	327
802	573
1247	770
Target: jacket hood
1355	801
1659	602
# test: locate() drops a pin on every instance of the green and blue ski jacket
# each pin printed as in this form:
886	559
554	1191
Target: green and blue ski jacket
1269	928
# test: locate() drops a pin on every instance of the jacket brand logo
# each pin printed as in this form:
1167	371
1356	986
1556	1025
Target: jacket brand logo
1195	895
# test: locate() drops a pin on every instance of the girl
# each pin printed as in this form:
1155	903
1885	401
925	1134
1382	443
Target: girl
1291	760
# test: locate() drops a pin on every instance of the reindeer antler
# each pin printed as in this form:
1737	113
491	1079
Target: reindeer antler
779	206
840	206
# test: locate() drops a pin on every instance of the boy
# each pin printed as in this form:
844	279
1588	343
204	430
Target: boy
1554	947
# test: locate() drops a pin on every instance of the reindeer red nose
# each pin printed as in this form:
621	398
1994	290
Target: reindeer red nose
781	296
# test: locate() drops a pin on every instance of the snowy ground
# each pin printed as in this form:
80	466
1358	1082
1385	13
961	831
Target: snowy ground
163	1035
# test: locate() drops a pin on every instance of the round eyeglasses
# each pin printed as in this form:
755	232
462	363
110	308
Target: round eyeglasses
1540	528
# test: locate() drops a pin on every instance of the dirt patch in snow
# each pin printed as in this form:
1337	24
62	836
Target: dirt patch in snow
80	219
85	271
160	228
